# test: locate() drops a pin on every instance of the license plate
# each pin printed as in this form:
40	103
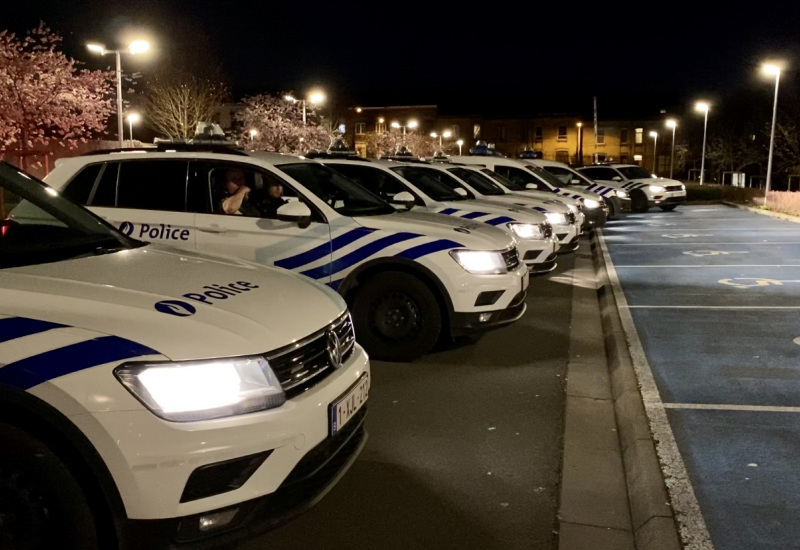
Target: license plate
346	406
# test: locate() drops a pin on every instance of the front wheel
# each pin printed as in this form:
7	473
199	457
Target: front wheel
668	207
41	503
396	317
639	202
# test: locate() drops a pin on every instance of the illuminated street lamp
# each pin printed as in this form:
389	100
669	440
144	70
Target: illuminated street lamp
411	125
579	145
446	134
772	70
671	123
702	107
132	118
138	46
253	133
313	98
459	142
654	135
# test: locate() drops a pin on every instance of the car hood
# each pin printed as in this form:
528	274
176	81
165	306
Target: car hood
182	304
500	208
524	199
468	233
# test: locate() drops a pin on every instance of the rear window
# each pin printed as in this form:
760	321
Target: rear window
152	185
80	188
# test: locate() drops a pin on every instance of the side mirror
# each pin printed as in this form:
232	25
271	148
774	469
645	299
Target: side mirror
404	199
461	191
530	186
295	211
574	181
616	178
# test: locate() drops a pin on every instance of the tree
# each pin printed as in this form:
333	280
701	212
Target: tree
175	100
277	125
44	96
389	142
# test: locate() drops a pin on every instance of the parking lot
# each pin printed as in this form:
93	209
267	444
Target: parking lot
710	296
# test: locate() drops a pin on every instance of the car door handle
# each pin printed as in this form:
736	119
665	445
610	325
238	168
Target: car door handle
213	228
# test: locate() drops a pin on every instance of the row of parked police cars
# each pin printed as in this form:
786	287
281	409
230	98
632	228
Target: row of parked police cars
172	375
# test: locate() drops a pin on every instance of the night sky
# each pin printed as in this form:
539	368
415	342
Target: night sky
540	58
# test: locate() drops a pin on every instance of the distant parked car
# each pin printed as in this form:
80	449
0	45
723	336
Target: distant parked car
646	189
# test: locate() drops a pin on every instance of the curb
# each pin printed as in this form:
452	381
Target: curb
770	213
653	522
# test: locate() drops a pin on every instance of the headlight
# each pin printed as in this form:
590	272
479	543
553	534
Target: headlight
526	230
657	189
482	262
683	187
556	218
622	194
201	390
574	208
591	203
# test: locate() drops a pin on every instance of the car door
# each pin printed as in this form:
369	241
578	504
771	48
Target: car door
144	198
263	238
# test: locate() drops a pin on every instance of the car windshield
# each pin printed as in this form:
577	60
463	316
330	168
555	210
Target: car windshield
566	175
634	172
342	194
502	180
38	226
434	183
479	181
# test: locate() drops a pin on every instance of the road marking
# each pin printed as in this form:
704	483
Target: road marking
700	253
713	307
754	243
712	407
797	340
685	235
759	281
687	510
662	266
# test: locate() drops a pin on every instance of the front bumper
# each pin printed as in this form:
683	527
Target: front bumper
469	323
307	484
666	199
536	257
595	217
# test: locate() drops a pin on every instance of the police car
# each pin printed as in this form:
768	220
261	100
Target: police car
484	184
526	176
617	199
410	278
415	186
152	397
646	189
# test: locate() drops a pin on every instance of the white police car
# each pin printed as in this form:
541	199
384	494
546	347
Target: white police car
617	199
409	277
646	189
154	397
526	175
418	186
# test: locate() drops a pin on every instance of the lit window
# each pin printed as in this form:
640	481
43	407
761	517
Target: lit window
360	127
637	158
476	131
639	135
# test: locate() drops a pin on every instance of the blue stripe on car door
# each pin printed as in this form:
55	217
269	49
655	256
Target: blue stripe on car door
358	255
324	249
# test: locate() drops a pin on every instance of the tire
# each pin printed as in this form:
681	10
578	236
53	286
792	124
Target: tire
668	207
639	202
396	317
613	210
41	504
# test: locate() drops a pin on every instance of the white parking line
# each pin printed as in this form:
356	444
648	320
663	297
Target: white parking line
661	266
711	407
756	243
687	510
711	307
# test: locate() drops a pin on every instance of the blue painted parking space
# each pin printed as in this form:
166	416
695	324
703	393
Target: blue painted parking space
744	471
714	295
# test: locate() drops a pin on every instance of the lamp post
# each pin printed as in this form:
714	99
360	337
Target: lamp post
313	98
459	142
579	145
446	134
253	133
132	118
654	135
671	123
411	124
702	106
770	70
138	46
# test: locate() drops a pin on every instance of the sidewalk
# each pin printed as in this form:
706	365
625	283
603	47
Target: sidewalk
613	495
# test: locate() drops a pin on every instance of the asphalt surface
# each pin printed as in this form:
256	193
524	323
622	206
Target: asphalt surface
465	445
712	294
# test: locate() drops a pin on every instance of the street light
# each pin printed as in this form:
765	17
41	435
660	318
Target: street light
253	133
459	142
313	98
411	125
770	70
137	46
132	118
654	135
671	123
702	106
446	134
579	145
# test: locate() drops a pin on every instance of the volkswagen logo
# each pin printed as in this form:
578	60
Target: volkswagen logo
334	349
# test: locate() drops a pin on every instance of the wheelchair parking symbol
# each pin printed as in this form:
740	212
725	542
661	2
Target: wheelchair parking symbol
684	236
756	281
698	253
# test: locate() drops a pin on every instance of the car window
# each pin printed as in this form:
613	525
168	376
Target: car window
80	187
152	185
520	177
502	180
565	175
600	173
376	180
480	182
105	193
39	225
634	172
436	184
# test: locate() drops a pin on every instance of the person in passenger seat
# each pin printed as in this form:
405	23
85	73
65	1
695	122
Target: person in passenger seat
236	193
273	199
